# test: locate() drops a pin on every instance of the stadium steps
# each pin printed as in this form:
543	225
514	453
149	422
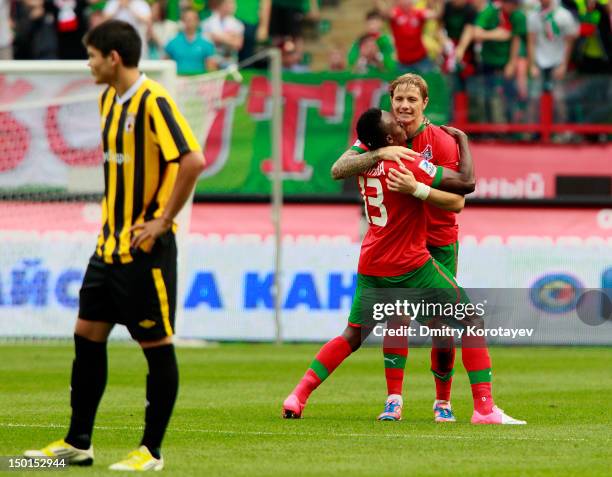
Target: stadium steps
347	22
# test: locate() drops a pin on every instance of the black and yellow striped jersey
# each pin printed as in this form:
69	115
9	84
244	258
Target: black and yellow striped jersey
143	136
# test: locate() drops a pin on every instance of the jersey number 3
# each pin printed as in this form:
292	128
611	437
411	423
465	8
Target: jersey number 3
375	201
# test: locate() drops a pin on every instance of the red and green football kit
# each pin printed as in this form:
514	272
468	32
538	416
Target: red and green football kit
396	239
440	149
394	252
442	229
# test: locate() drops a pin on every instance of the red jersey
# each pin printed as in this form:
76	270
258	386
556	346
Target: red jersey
396	239
407	29
441	149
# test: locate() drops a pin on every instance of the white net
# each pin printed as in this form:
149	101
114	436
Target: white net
199	98
51	182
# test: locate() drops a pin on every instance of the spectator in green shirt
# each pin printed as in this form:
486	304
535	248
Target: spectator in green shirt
373	50
255	14
502	31
458	18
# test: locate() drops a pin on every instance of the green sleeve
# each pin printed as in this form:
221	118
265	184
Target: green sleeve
519	23
385	45
173	11
358	149
353	55
306	5
487	18
438	177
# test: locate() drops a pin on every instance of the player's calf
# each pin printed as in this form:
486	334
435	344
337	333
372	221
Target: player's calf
329	357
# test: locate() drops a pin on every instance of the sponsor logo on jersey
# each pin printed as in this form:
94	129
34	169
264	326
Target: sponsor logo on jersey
118	158
377	170
428	167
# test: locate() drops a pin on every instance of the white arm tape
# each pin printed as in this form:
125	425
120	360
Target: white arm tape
421	191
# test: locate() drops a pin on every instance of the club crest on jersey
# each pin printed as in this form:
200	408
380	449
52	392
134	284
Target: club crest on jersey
130	120
427	153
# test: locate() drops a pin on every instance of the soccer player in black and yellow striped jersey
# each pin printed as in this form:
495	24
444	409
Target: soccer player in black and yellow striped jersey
151	163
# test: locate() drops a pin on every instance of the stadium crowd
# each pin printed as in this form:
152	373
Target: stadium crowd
496	46
462	36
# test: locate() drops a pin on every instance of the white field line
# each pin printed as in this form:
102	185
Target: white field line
8	425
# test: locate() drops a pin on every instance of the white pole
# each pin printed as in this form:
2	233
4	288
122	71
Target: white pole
277	182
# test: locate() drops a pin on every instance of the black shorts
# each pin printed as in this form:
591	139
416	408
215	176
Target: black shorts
140	295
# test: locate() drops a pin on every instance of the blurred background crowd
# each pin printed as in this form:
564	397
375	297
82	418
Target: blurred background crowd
513	49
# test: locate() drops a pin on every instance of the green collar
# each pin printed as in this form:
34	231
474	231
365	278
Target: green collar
426	122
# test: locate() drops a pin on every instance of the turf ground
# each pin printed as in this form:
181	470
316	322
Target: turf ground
227	420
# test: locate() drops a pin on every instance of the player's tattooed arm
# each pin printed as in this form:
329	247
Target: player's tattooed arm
352	163
403	181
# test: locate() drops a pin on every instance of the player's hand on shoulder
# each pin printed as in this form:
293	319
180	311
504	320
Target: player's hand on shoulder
145	234
397	154
458	134
401	180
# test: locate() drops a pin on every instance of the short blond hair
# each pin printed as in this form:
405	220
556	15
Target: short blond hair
410	79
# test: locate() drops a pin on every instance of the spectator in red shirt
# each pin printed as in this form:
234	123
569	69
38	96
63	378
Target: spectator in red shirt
407	24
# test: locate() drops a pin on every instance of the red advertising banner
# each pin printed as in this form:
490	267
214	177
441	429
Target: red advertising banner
476	224
536	225
530	171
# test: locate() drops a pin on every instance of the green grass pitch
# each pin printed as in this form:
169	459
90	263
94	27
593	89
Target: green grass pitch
227	419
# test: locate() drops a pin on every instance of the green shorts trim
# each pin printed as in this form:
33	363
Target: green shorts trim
434	283
447	255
